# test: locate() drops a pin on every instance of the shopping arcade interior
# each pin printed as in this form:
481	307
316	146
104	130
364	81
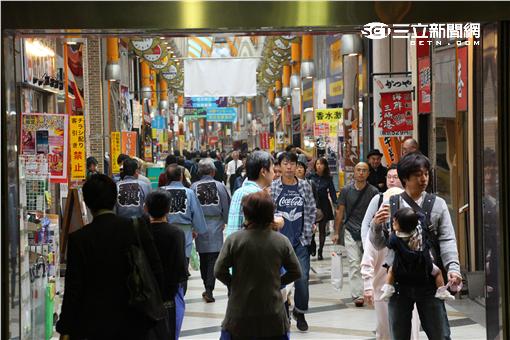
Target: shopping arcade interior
157	35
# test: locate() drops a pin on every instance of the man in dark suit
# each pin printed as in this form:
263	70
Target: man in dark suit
96	296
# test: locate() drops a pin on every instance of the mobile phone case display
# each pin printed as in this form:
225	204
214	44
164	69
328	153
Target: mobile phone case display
39	249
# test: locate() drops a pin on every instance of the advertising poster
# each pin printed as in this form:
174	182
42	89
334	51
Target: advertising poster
424	77
129	139
115	149
47	134
137	114
75	77
77	131
397	114
334	81
147	144
264	140
125	109
462	78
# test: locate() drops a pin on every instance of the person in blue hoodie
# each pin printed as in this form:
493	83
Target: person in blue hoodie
131	192
215	201
185	210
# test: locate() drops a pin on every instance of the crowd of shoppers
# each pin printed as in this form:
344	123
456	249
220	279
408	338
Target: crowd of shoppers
278	203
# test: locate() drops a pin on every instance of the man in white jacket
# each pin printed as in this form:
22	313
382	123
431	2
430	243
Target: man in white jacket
372	271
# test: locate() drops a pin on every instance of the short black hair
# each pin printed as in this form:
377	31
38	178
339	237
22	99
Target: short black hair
407	219
158	203
173	173
288	156
393	166
289	148
257	161
91	160
410	164
99	192
213	155
302	164
204	154
121	158
130	167
180	160
177	153
170	159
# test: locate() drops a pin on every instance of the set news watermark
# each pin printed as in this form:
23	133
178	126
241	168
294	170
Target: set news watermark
425	34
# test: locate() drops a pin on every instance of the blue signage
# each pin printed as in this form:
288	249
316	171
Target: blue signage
158	122
205	102
222	114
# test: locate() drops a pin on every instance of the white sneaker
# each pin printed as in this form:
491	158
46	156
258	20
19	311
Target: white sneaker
442	293
388	291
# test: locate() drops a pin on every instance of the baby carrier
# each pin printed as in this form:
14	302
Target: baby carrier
415	266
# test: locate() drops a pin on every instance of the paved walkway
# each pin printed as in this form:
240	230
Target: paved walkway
332	315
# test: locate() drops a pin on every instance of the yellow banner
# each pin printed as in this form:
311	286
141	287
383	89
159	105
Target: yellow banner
328	115
333	129
115	150
336	88
271	144
308	95
78	167
335	58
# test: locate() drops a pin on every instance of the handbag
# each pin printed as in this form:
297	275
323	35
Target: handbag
337	271
144	294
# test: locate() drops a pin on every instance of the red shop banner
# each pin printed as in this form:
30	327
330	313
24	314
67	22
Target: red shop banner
397	113
462	81
264	141
424	78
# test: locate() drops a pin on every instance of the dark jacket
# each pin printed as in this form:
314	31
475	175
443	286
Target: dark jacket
378	176
325	188
220	171
169	241
95	304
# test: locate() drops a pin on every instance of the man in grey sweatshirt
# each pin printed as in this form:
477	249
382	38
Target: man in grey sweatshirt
413	171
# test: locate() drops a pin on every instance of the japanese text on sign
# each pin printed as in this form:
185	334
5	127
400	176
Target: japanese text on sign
115	148
328	115
77	127
397	116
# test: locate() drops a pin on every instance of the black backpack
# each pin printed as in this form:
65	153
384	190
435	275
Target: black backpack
429	239
144	293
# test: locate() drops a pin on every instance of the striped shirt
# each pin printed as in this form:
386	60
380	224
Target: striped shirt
235	215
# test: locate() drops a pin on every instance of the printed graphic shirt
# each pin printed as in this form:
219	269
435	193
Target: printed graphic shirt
291	205
309	207
185	212
131	194
215	202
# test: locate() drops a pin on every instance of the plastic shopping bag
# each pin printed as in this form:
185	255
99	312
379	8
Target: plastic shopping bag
337	270
195	260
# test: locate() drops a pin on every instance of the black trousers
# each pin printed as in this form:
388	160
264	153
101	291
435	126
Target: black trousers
207	262
322	234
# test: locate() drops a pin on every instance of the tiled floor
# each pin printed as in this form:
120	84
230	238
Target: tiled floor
331	315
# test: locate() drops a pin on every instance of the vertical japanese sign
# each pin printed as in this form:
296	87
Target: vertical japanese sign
115	149
129	143
264	140
77	131
424	79
47	134
397	114
392	115
462	78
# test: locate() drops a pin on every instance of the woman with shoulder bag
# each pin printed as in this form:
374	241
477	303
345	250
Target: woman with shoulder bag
326	191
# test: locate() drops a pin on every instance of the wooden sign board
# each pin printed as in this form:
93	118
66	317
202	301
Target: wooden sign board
75	217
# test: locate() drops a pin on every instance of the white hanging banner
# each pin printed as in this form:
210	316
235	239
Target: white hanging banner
220	77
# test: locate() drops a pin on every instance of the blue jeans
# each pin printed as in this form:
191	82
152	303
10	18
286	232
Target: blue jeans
301	296
431	310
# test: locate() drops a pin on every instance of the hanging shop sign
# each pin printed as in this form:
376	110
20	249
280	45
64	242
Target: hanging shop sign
280	137
147	144
158	122
75	78
264	140
43	133
77	133
194	114
213	140
128	143
137	114
392	106
125	109
222	114
115	150
271	144
170	72
397	114
205	102
328	115
307	93
153	54
142	45
424	78
462	78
